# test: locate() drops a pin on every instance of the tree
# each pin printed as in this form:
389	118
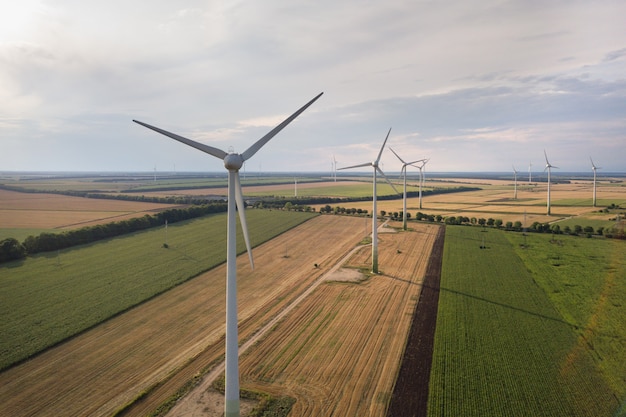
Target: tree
11	249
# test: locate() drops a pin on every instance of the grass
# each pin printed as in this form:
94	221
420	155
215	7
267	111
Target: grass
21	234
584	221
354	190
50	297
584	280
506	345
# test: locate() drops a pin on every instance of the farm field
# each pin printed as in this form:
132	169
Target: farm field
51	296
107	367
37	211
512	337
496	201
339	351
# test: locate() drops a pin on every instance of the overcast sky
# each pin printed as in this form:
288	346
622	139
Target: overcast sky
478	85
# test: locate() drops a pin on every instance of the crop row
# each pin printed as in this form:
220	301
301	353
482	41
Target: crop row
500	345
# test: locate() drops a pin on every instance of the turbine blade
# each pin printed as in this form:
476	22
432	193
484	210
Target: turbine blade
398	156
383	147
414	162
259	144
546	155
366	164
218	153
242	215
380	171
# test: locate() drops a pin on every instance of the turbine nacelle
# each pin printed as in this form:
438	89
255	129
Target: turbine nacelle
233	161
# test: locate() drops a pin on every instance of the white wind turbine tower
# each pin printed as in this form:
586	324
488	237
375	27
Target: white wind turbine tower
374	165
549	168
420	167
334	163
530	174
233	163
594	180
515	183
403	171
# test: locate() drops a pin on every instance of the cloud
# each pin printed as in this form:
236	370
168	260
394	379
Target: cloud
484	79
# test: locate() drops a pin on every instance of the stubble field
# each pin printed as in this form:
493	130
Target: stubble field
339	352
54	211
109	366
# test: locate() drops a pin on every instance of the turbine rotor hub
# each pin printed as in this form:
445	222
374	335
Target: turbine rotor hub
233	161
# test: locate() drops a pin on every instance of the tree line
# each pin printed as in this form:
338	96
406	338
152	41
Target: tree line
12	249
278	202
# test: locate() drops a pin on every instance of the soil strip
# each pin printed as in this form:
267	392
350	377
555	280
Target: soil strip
410	394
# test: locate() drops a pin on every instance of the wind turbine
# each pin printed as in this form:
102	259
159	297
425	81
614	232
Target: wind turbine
530	174
594	180
334	164
233	163
374	165
515	181
403	171
420	167
549	168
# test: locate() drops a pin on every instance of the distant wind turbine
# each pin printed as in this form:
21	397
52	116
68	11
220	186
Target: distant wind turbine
530	174
594	180
421	167
374	165
549	169
334	164
233	163
515	185
403	171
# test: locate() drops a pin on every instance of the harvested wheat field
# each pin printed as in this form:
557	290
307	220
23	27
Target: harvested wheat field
102	370
338	353
55	211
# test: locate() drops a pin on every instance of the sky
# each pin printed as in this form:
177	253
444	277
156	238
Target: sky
477	85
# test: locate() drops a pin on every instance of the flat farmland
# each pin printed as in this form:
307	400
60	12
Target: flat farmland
170	338
495	200
533	330
54	211
338	353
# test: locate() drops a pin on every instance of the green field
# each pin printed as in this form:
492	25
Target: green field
537	331
49	297
354	190
21	234
140	183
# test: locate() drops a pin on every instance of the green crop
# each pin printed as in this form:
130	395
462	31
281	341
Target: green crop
503	345
50	297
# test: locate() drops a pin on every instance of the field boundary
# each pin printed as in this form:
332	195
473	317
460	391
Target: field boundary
410	392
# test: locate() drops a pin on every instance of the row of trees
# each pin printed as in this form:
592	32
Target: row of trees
536	227
280	201
11	249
